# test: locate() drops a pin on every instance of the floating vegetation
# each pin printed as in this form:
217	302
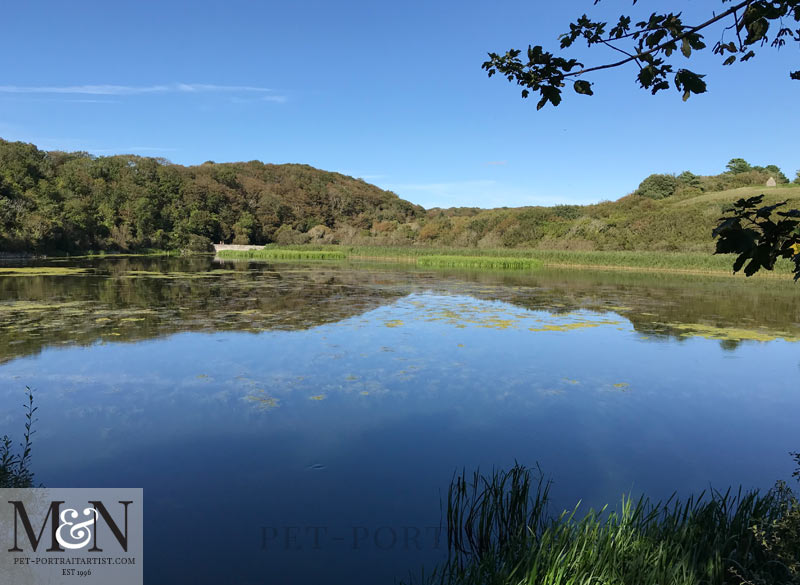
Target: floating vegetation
281	254
566	326
621	385
501	263
34	307
178	275
394	323
263	400
42	271
318	397
730	333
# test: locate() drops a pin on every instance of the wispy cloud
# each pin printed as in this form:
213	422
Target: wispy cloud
123	90
496	163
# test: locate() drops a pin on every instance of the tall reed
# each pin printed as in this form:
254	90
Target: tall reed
499	532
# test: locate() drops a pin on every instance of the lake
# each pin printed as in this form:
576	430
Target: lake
300	422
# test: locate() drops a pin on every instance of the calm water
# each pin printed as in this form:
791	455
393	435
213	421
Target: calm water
299	423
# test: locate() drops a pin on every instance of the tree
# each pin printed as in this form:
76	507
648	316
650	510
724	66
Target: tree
736	166
775	172
652	44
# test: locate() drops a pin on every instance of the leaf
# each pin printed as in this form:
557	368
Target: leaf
730	60
686	48
583	87
690	82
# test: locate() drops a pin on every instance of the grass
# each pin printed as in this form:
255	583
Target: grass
282	254
15	469
503	263
690	262
498	532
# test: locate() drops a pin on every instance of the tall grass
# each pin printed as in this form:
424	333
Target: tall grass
15	471
282	254
499	533
436	261
644	261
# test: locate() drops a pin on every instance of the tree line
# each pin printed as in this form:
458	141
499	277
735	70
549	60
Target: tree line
75	202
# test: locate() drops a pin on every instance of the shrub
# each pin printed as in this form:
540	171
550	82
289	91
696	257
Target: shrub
658	186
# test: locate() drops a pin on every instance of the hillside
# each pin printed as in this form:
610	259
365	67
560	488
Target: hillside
56	201
74	201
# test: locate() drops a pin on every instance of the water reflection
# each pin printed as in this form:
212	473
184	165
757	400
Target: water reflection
131	299
251	399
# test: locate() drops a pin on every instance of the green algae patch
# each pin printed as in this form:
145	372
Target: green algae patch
572	326
33	307
43	271
730	333
394	323
621	385
262	400
318	397
177	275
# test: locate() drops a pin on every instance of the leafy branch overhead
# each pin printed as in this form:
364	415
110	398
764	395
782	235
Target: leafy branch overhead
652	44
759	239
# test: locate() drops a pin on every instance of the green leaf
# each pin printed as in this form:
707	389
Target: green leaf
583	87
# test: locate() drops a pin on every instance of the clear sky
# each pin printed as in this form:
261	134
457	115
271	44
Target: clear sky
391	92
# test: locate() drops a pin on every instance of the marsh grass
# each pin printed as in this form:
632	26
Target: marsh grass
486	262
282	254
499	532
15	471
691	262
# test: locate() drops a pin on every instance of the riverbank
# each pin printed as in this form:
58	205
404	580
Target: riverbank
521	259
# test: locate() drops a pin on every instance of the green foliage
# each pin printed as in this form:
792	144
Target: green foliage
738	165
653	44
499	531
750	231
658	186
15	469
73	202
775	172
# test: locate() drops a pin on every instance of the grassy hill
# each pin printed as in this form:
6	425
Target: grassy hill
75	202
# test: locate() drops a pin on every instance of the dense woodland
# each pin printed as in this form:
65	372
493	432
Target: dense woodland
76	202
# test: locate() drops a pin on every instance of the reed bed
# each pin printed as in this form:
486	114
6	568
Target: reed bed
498	532
694	262
485	262
282	254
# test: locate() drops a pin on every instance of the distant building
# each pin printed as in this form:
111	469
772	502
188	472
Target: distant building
771	182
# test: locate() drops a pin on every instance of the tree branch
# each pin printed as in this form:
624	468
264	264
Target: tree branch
657	48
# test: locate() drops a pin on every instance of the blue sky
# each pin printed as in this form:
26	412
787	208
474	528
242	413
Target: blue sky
391	92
